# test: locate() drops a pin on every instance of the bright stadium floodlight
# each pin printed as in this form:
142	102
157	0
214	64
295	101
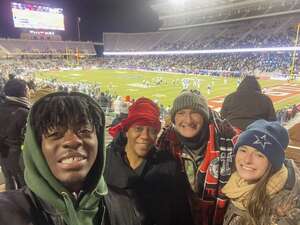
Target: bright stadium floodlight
177	2
212	51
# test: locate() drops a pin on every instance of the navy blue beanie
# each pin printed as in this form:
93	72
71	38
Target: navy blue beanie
270	138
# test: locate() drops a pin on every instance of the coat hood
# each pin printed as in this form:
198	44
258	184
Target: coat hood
249	84
42	182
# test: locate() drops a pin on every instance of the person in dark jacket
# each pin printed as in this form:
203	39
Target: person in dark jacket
2	83
247	104
135	165
13	114
64	160
122	114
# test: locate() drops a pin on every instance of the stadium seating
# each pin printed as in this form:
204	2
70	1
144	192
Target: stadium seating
207	64
199	12
272	31
3	52
19	46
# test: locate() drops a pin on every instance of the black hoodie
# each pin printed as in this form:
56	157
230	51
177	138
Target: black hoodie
247	104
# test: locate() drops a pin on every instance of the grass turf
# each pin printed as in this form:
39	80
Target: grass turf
130	82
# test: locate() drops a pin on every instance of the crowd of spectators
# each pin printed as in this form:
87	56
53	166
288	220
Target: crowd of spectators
269	32
27	65
232	41
286	114
234	64
47	47
212	64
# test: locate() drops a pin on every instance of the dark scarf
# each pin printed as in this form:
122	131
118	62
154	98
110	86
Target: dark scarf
197	143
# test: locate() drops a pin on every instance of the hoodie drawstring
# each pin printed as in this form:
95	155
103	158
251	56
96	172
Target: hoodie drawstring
72	218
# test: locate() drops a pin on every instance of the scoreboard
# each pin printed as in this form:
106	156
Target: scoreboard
34	16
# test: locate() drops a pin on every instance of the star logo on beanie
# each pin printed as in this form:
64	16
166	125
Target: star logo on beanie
262	141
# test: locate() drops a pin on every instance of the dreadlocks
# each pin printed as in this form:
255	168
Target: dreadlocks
67	110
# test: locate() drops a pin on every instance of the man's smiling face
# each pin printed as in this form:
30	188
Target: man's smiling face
70	154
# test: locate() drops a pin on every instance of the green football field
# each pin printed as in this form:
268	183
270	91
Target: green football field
140	83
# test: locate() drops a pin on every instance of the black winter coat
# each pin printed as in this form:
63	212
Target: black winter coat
13	116
247	105
22	207
159	195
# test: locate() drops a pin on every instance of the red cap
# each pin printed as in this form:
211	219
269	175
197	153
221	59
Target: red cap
142	112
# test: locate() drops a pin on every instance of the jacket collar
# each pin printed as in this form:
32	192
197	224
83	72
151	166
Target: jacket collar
22	101
119	168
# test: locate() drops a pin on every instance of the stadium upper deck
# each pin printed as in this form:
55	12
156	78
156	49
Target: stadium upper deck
173	13
264	32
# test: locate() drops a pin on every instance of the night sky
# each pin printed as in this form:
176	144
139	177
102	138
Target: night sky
97	16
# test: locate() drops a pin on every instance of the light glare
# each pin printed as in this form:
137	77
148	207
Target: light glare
212	51
177	2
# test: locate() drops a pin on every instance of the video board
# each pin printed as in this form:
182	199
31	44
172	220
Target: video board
34	16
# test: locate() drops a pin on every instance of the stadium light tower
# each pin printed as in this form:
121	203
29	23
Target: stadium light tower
78	27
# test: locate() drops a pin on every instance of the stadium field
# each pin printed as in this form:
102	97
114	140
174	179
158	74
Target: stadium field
141	83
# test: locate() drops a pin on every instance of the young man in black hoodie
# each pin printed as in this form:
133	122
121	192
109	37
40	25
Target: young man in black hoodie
64	161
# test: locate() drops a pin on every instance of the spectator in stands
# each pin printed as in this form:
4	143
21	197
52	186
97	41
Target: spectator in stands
293	150
64	161
11	76
265	188
136	166
2	83
123	113
104	101
197	138
247	104
117	103
13	114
